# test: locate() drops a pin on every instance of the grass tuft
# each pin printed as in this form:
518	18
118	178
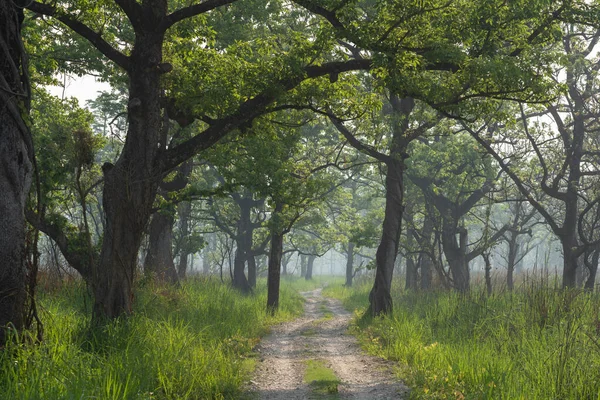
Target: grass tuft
321	379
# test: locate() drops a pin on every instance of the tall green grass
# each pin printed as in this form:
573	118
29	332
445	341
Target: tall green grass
192	342
535	343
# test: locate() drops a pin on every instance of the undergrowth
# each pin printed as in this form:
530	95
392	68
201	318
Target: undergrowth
192	342
534	343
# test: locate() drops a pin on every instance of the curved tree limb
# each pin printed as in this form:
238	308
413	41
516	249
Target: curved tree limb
85	31
192	11
250	109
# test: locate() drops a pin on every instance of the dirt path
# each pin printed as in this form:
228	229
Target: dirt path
320	335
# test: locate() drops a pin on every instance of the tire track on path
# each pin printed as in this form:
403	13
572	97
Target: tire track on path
321	334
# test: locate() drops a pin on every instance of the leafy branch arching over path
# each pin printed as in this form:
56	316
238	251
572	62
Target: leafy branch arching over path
320	335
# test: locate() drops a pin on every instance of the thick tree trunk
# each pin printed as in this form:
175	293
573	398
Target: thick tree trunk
205	258
309	267
380	298
16	155
349	264
251	270
159	260
240	281
205	262
570	264
275	256
488	273
455	252
184	210
130	186
580	274
112	279
513	253
571	197
593	269
426	267
243	247
425	262
284	264
302	265
412	273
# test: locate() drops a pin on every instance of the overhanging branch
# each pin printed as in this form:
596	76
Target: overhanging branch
250	109
192	11
85	31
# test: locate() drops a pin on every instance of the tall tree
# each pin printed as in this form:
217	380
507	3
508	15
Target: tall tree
565	150
443	54
16	167
398	112
454	174
522	219
138	52
68	176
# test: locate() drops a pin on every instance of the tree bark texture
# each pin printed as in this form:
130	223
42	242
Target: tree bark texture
275	255
349	265
251	270
243	246
303	265
592	259
159	259
456	254
210	246
130	186
568	236
380	298
488	273
426	261
412	273
513	253
310	263
16	158
184	210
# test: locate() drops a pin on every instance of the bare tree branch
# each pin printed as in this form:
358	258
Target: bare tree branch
192	11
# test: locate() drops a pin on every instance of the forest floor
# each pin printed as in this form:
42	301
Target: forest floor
314	357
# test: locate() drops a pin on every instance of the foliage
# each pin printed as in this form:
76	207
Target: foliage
454	164
64	142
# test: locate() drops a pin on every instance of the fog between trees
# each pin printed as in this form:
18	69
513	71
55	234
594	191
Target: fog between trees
248	139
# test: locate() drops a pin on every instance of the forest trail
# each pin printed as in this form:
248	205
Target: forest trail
321	336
